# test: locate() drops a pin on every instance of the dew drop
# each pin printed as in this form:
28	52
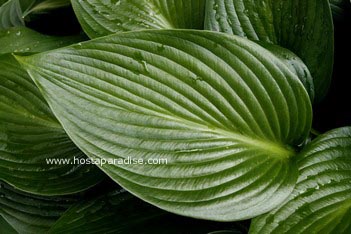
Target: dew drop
145	66
215	6
302	192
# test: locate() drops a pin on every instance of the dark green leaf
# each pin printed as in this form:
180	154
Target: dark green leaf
120	212
24	40
101	17
2	2
6	227
321	201
30	134
39	6
305	27
28	213
223	111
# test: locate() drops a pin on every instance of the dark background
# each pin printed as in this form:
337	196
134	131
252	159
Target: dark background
335	110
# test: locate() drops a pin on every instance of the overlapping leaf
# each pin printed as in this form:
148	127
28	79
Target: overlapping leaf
101	17
305	27
27	213
120	212
30	134
321	201
24	40
14	12
223	111
295	64
11	14
39	6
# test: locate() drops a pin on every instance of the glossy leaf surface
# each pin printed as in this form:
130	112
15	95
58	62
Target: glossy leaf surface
100	17
321	201
305	27
223	112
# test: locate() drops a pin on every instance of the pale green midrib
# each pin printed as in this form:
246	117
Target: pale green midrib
278	150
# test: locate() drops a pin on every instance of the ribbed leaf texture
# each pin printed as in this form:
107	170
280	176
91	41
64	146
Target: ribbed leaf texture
303	26
223	111
30	214
100	17
321	201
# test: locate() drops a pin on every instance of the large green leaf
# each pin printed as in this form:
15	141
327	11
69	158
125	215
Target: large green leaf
24	40
104	17
321	201
223	111
302	26
30	134
120	212
27	213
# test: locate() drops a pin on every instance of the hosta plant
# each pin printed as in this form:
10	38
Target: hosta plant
173	116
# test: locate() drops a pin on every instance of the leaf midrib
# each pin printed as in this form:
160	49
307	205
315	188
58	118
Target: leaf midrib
278	150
